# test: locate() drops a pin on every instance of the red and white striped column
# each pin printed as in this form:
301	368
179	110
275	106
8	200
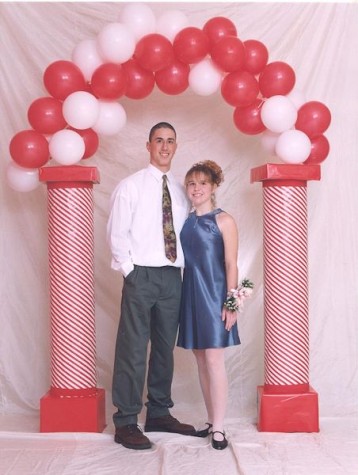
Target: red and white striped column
73	403
287	403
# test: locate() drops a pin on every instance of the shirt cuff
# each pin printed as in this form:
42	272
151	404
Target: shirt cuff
125	268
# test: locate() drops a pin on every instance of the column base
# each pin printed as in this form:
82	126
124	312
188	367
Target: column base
287	412
73	414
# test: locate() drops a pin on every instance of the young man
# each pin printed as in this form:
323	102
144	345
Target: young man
151	291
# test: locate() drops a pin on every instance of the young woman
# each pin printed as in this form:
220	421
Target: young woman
210	243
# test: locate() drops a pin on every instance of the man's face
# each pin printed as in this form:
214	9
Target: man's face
162	148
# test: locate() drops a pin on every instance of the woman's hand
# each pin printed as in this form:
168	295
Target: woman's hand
229	318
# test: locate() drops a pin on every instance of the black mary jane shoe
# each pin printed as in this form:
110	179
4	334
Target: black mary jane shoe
219	444
204	432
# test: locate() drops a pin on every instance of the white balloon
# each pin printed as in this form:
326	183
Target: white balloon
22	179
293	146
80	110
268	141
297	97
67	147
278	114
86	56
139	18
205	78
112	118
171	22
116	43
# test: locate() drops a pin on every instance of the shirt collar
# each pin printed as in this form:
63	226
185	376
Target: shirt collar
158	174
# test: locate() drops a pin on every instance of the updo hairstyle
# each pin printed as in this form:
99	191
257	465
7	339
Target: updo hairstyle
209	169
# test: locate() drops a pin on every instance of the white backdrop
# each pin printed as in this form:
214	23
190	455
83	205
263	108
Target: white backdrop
319	41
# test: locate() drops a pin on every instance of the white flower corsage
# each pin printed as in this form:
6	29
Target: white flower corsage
236	297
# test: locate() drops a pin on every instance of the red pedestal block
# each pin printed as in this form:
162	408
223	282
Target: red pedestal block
73	414
296	412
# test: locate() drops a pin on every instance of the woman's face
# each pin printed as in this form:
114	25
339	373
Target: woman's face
199	189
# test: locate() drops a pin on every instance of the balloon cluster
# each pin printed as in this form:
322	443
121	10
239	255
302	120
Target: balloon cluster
132	56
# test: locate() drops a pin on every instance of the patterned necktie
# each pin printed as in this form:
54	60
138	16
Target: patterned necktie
168	227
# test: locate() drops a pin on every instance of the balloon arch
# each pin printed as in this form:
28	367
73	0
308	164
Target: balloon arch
139	52
129	58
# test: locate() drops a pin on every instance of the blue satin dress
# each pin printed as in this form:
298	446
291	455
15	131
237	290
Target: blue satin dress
204	286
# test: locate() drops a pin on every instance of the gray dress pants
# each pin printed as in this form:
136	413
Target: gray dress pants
149	318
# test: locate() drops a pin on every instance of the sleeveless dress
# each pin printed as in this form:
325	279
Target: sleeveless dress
204	286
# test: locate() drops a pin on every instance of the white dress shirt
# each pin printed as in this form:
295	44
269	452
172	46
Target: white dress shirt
134	230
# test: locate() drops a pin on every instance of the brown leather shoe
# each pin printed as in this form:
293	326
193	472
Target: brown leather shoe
168	424
131	437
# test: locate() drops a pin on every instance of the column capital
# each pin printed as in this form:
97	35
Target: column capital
285	174
69	174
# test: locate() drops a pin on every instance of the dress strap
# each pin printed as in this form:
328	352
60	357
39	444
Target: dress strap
217	211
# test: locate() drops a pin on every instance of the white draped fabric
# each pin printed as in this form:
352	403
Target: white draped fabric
319	41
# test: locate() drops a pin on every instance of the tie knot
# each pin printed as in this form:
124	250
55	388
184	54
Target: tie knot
165	178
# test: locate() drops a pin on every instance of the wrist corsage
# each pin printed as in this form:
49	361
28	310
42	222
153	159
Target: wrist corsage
236	297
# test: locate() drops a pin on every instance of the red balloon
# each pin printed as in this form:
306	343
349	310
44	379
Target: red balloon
173	79
191	45
277	79
109	81
256	56
29	149
140	83
228	53
62	78
313	118
239	88
248	119
45	115
219	27
319	150
91	140
154	52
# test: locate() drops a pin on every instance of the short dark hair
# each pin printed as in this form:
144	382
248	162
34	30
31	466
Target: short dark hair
161	125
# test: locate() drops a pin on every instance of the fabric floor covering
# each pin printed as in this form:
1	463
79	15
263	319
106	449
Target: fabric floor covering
332	451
